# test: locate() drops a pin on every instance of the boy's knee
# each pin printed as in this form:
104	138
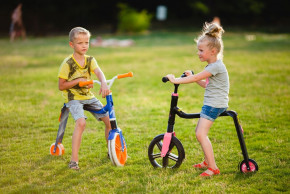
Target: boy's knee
106	120
81	123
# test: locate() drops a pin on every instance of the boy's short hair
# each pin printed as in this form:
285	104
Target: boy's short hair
76	31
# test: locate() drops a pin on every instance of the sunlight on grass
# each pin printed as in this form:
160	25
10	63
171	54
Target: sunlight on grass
30	104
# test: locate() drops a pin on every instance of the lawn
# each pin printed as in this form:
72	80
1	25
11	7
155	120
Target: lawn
30	104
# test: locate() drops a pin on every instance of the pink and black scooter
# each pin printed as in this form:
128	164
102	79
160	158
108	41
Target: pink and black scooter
166	151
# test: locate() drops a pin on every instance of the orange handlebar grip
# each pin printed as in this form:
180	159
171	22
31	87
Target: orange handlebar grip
130	74
81	84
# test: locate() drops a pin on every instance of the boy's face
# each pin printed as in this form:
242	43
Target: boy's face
80	44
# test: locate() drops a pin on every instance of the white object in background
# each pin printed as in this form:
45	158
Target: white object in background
161	14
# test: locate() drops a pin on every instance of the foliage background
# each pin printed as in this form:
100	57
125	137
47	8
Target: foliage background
48	17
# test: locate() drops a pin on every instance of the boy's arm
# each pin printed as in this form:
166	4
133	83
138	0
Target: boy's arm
63	84
104	90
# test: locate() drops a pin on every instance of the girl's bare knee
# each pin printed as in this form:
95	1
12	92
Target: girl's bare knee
199	136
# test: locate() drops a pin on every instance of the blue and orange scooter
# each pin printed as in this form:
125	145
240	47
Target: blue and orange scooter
116	142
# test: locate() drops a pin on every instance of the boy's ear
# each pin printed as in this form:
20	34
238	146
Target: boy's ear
71	44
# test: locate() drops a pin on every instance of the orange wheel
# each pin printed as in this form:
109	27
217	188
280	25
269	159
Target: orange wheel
62	148
117	155
59	150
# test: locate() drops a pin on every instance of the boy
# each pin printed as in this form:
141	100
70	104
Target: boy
75	68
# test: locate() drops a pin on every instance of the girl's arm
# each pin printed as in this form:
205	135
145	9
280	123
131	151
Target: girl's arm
202	83
104	90
189	79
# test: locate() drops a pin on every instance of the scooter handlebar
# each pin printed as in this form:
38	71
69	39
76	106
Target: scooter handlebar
85	83
165	79
130	74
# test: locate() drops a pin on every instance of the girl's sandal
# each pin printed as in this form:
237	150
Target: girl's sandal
73	165
200	165
210	173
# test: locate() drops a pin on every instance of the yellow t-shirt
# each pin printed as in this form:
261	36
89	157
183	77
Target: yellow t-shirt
71	70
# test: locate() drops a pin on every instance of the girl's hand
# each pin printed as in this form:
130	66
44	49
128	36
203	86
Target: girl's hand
188	73
171	78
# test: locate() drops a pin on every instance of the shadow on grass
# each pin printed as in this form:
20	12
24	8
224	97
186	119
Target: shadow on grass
242	176
52	174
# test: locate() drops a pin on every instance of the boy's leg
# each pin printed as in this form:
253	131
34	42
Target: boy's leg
77	138
76	109
106	120
95	104
202	130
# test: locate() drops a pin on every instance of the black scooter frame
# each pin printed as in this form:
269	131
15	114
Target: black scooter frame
174	110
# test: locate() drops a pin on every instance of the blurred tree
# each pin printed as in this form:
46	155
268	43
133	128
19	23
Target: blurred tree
132	21
49	16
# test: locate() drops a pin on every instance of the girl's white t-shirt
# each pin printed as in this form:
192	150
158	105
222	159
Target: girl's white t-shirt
217	90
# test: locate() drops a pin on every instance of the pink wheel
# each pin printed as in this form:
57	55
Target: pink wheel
253	166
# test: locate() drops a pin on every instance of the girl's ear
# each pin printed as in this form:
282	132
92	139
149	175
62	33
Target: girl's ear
214	51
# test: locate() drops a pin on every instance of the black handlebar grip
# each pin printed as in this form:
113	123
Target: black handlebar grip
165	79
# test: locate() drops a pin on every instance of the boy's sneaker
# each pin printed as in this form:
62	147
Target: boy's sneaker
73	165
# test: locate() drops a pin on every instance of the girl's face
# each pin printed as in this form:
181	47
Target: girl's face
205	53
80	44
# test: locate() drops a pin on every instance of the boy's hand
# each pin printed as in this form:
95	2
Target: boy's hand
81	80
104	90
84	80
90	85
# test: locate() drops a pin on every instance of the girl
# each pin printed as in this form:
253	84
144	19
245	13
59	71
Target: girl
214	78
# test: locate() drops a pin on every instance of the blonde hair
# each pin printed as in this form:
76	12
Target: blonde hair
76	31
212	32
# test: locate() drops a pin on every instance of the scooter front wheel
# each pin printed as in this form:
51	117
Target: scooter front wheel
117	153
174	156
253	166
59	151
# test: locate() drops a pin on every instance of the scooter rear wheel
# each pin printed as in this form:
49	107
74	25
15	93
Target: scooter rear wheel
59	149
173	158
253	166
118	155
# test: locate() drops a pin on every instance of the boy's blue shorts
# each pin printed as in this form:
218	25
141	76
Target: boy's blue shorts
211	113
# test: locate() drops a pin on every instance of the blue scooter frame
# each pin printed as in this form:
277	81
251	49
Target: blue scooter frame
117	153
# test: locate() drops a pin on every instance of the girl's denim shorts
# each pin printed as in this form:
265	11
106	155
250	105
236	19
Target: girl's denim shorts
211	113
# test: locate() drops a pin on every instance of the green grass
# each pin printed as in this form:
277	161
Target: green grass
30	104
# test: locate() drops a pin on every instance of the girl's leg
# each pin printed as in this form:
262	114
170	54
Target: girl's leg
202	130
77	137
